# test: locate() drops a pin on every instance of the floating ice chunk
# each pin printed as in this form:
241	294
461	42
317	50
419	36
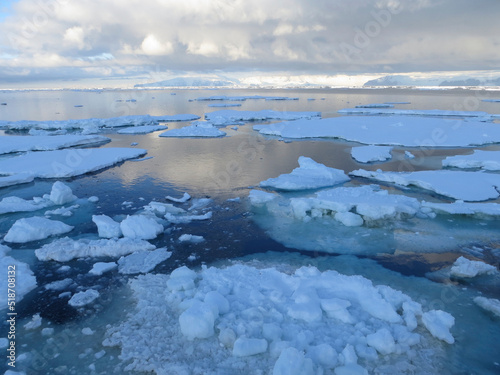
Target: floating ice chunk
231	116
464	267
200	203
25	280
336	308
391	131
141	227
106	226
66	163
83	298
142	261
185	197
66	249
467	186
36	322
382	341
412	112
102	267
93	199
375	105
197	129
145	129
293	362
309	175
409	155
489	304
61	194
15	179
244	347
191	238
438	323
488	160
259	197
87	331
164	208
368	154
45	143
197	321
349	219
464	208
35	228
47	331
62	211
184	219
224	105
16	204
59	284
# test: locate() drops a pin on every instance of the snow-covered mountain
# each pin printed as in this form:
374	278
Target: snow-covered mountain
434	80
191	82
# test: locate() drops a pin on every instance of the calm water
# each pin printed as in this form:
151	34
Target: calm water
227	168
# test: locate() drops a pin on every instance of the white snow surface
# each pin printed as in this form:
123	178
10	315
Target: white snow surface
464	267
231	116
61	193
487	160
20	178
25	280
240	318
390	130
412	112
142	261
371	153
309	175
140	227
191	238
144	129
66	163
45	143
102	267
106	226
461	185
185	197
35	228
83	298
196	129
96	123
489	304
66	249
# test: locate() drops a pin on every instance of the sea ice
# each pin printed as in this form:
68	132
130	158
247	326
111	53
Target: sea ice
236	318
464	208
106	226
66	249
83	298
487	160
375	105
231	116
61	193
34	323
197	129
224	105
25	280
45	143
101	267
140	227
393	130
185	197
191	238
489	304
412	112
309	175
62	211
142	261
66	163
15	179
145	129
371	153
464	267
35	228
467	186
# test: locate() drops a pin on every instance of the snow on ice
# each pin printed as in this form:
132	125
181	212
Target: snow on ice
231	116
487	160
467	186
191	238
66	163
464	267
489	304
309	175
389	130
83	298
140	227
142	261
413	112
371	153
102	267
185	197
45	143
35	228
145	129
300	322
107	227
196	129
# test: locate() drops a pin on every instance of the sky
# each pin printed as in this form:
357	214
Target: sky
150	40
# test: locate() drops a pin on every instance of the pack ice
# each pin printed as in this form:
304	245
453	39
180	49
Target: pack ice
371	153
14	143
304	321
389	130
196	129
487	160
231	116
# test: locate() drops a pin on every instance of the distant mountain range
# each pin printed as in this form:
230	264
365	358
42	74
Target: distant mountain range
190	82
400	80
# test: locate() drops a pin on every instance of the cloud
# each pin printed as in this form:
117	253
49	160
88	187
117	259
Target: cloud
321	37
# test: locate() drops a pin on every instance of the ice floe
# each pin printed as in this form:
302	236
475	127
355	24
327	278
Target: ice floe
81	299
375	105
25	281
467	186
487	160
243	98
145	129
65	163
107	227
140	227
196	129
191	238
102	267
142	261
35	228
371	153
413	112
16	179
309	175
66	249
93	124
241	317
224	105
489	304
231	116
464	267
393	130
185	197
46	143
